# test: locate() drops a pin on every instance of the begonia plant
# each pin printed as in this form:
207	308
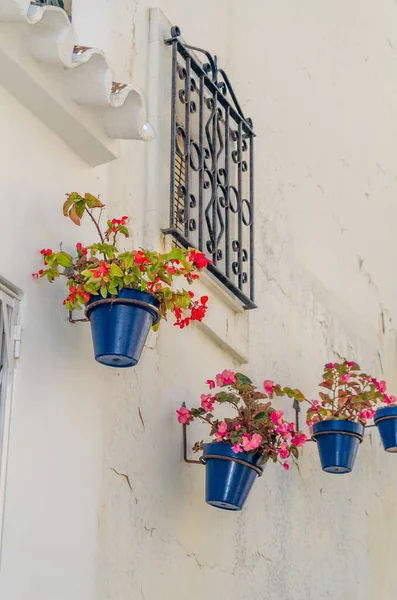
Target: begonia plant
101	268
350	395
257	426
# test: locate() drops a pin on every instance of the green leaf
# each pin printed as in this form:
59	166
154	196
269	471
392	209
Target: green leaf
92	201
243	379
298	395
86	273
175	254
123	230
104	291
227	397
129	260
289	392
64	259
261	415
66	206
115	271
80	208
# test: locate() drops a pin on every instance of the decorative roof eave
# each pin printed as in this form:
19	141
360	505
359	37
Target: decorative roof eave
85	74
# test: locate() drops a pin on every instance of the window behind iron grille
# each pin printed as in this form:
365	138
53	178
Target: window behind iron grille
211	179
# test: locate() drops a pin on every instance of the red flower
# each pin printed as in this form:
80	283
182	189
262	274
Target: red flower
80	248
191	294
199	259
211	383
140	258
102	270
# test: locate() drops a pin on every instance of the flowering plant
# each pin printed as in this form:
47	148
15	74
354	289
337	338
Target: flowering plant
351	395
100	268
257	426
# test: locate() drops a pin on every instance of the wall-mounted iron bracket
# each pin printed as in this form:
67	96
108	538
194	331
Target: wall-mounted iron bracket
71	320
185	458
296	407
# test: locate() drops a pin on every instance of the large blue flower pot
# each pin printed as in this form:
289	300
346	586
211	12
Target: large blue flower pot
337	443
386	421
228	482
120	325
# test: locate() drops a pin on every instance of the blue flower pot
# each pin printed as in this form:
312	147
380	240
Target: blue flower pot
386	421
228	482
337	443
120	325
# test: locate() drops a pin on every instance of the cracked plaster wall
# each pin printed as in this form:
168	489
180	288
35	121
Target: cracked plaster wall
99	504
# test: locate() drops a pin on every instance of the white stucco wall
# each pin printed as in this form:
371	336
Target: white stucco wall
320	83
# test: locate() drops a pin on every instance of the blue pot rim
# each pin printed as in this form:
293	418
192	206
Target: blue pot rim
338	426
224	449
385	411
151	302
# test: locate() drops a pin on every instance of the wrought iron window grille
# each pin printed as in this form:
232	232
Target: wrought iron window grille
212	160
64	4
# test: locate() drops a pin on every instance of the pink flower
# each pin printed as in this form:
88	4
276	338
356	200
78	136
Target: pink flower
283	451
184	415
246	443
225	378
345	378
276	416
330	365
299	439
219	437
207	402
211	383
237	448
283	431
268	385
351	363
222	428
256	440
381	386
367	414
253	443
392	399
286	466
237	427
291	426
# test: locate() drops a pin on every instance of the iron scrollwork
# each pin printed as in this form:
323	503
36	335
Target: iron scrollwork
211	184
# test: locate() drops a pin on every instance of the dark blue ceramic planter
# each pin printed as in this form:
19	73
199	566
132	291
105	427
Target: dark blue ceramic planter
337	443
120	326
228	482
386	421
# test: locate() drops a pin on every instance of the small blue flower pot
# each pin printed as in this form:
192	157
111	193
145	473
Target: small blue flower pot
120	325
228	482
386	421
337	443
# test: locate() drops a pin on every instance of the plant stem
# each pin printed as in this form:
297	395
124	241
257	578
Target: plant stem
96	225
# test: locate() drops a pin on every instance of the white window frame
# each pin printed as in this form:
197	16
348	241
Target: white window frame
9	312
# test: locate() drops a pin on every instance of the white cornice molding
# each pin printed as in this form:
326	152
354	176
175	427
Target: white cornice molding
70	88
